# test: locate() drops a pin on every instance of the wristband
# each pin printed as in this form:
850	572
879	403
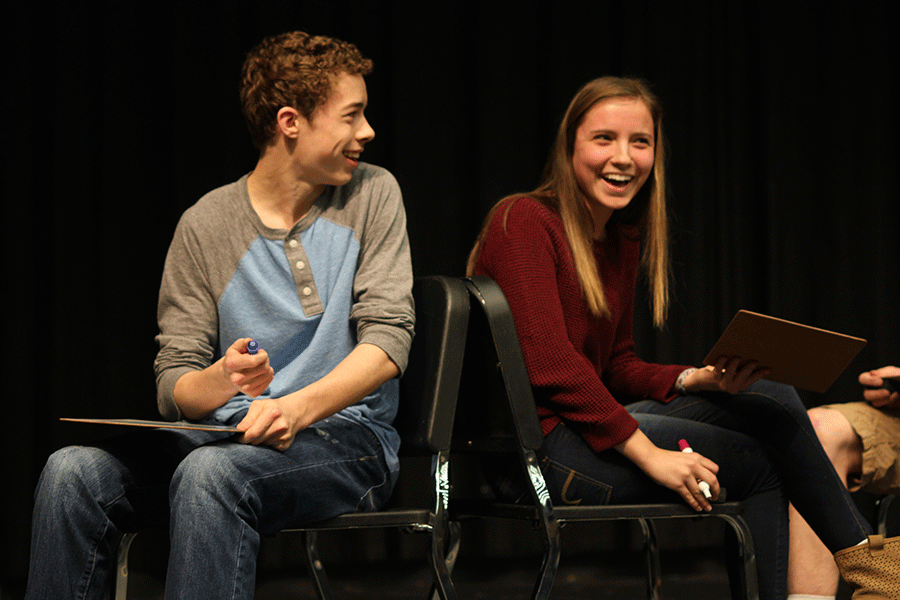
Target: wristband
679	383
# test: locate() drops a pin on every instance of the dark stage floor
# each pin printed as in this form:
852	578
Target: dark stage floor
699	577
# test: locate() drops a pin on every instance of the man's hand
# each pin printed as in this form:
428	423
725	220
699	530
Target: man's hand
272	422
198	393
249	373
880	398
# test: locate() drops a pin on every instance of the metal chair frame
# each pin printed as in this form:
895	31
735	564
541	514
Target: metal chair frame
509	423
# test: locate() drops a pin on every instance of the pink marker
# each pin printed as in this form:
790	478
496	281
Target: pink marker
704	487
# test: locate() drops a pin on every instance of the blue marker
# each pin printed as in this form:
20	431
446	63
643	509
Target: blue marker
252	347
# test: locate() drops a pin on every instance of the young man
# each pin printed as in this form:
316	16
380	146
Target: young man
862	439
308	255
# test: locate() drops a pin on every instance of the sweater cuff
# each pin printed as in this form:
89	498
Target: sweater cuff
615	430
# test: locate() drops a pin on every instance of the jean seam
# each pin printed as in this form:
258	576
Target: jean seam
239	557
95	550
92	564
300	468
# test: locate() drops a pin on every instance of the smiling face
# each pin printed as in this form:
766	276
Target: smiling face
613	155
330	141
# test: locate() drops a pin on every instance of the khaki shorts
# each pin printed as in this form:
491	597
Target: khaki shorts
880	434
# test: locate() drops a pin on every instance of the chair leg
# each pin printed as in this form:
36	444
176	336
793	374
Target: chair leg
443	561
453	545
651	554
549	530
121	583
550	564
884	504
316	570
749	584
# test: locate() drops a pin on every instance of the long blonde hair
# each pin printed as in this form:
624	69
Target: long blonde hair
647	211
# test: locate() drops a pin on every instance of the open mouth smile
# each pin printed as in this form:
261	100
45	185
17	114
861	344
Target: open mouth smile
617	180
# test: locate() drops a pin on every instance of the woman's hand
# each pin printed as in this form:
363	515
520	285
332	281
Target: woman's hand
675	470
730	375
683	473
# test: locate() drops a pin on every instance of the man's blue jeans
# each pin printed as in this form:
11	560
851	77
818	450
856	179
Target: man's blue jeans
218	497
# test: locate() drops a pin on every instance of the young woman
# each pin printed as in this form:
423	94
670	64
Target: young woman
567	256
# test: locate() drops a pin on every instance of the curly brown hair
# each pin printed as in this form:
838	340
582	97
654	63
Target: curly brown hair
293	69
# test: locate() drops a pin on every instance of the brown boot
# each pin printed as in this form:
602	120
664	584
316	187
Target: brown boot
873	568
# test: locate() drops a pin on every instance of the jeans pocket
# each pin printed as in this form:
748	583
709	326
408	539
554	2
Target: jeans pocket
568	486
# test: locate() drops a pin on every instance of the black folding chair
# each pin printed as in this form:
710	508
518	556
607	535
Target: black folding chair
428	395
497	414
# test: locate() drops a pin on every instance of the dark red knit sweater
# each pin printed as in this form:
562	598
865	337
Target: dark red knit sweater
578	363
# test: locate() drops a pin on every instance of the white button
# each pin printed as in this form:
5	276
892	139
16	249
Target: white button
307	291
300	264
293	243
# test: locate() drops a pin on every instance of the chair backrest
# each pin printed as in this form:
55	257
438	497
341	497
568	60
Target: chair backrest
494	368
430	385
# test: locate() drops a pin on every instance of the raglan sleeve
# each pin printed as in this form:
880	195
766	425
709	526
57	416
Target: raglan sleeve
383	304
187	318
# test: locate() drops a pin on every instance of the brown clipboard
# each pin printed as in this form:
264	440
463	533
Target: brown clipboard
799	355
156	424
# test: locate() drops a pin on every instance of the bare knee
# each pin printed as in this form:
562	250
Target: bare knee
838	438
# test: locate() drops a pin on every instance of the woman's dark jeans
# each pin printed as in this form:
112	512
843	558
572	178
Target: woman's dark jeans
767	452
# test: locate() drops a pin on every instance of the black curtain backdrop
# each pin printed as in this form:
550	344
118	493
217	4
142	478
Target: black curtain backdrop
781	141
